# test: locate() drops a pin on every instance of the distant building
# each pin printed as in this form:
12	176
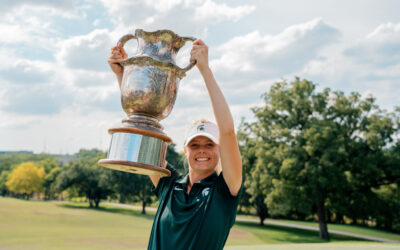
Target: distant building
64	159
16	152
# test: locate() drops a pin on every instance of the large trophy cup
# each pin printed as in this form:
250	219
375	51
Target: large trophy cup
148	91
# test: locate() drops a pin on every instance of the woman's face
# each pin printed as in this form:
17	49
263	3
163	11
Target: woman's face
202	154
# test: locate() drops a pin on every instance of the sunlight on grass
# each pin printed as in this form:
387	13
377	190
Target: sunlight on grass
49	225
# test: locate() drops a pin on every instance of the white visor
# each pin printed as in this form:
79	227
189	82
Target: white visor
208	130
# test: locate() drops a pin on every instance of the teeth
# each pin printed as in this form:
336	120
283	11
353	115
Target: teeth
201	159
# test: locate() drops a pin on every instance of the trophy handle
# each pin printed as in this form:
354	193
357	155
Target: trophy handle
126	38
192	63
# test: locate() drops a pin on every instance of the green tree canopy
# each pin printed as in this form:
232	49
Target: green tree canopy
86	177
315	148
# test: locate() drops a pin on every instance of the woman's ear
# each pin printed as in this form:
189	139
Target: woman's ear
185	150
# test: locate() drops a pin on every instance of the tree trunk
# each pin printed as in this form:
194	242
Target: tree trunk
323	228
339	218
354	220
143	207
261	208
90	203
329	216
261	220
122	198
97	201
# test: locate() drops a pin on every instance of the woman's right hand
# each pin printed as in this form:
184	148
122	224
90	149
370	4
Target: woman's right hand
118	54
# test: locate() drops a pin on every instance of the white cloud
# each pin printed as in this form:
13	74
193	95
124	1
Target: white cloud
64	132
12	33
387	31
381	47
37	99
256	56
6	6
370	65
26	72
211	11
24	27
87	51
183	17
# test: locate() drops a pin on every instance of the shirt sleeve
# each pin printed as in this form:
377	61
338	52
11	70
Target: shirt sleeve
223	189
230	202
165	182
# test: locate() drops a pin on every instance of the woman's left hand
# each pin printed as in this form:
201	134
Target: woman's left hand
199	53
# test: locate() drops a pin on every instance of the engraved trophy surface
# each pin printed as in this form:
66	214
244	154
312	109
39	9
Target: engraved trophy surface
148	91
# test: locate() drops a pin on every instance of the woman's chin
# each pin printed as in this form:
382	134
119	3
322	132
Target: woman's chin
203	166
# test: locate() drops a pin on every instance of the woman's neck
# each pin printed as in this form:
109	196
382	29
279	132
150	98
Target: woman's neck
196	177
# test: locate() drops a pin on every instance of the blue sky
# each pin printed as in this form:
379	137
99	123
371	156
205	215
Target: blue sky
57	94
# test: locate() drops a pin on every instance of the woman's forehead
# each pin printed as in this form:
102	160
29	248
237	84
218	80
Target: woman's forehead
201	139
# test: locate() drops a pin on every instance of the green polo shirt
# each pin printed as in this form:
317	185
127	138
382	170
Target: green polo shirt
201	219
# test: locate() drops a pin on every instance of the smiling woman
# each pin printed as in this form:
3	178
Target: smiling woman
197	211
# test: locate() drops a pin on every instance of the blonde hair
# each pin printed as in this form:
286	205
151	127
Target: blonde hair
202	120
218	167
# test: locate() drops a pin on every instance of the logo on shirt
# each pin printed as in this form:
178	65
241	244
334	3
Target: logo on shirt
205	192
178	188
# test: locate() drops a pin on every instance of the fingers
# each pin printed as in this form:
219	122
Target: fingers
198	51
113	60
117	55
198	42
122	50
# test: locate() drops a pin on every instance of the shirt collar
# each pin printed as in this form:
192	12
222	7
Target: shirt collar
206	181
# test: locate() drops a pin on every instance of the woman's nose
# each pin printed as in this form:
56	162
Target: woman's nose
202	149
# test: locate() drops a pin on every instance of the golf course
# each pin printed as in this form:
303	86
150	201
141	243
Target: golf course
58	225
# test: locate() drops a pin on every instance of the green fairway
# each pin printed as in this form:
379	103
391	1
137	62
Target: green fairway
350	228
52	225
344	228
319	246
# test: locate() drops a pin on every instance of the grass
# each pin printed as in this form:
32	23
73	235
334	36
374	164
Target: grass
52	225
319	246
44	225
340	227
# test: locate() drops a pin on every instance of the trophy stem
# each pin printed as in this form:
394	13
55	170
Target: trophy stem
143	121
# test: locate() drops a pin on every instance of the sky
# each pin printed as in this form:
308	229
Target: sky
58	94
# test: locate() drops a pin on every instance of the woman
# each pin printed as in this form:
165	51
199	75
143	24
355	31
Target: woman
197	211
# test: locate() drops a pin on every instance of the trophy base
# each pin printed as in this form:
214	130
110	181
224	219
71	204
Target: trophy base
137	150
134	167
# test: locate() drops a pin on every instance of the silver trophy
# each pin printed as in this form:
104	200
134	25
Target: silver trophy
148	91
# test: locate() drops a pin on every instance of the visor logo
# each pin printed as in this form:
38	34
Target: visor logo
200	128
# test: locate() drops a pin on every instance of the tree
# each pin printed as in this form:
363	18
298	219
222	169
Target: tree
9	161
312	148
3	179
52	169
175	159
86	177
49	184
253	187
130	187
26	179
388	206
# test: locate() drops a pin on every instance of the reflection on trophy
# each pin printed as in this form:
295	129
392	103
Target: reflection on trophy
148	91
